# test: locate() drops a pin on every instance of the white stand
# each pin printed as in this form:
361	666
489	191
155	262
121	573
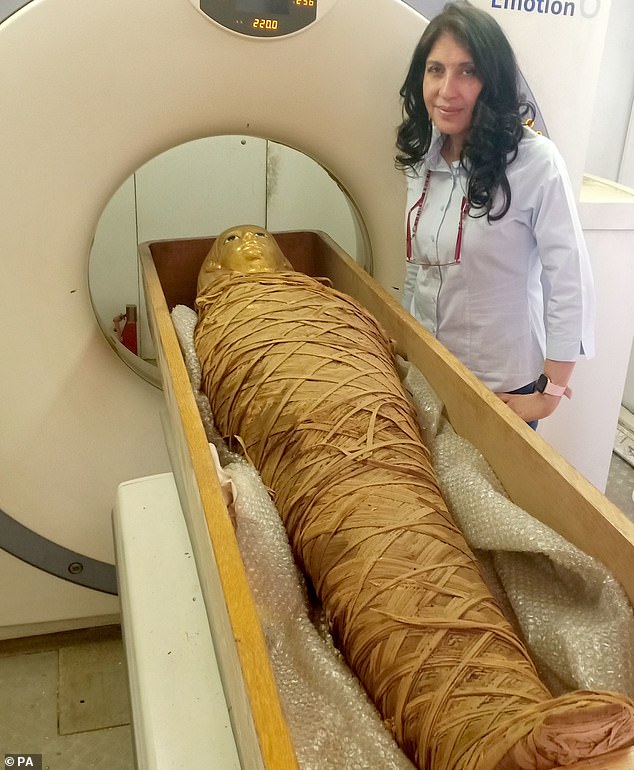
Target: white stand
179	712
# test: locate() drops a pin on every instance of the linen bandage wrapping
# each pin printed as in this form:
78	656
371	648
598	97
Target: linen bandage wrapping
306	379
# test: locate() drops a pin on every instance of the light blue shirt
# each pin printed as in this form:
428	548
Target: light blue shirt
523	289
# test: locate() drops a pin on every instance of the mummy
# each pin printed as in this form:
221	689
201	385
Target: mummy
306	379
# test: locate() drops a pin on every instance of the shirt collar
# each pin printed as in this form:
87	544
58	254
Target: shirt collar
433	160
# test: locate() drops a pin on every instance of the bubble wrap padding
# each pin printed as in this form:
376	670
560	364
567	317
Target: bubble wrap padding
575	618
184	320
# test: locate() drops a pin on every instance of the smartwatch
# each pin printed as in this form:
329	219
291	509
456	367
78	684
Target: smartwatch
544	385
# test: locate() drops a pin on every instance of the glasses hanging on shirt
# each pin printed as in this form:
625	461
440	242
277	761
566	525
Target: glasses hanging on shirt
411	230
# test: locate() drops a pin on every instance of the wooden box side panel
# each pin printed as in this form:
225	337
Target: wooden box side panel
260	729
580	513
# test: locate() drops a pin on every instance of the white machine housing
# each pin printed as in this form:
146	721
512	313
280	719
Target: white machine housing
95	91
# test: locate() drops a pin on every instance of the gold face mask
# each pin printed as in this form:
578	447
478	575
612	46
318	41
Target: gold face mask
243	249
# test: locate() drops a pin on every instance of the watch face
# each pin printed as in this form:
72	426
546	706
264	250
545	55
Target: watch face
541	383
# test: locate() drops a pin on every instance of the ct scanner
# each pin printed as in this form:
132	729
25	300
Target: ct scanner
90	92
95	91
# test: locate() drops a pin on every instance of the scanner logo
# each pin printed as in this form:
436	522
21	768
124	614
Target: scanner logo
587	8
553	7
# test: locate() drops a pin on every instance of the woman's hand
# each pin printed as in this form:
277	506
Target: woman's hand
531	406
536	406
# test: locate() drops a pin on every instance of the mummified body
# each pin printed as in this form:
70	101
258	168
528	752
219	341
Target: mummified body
306	378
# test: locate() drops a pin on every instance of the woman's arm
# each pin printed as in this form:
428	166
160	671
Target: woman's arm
536	406
566	281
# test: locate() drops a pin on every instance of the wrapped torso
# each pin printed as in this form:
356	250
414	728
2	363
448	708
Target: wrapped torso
306	379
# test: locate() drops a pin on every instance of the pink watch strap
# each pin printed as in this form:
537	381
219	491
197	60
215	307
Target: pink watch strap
557	390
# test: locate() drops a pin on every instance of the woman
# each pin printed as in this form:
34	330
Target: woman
497	266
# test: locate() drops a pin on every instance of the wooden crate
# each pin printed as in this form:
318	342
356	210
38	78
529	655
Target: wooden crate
535	477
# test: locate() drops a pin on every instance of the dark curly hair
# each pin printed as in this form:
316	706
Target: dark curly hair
496	127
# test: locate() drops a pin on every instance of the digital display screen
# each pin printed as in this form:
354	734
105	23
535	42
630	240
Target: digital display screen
264	7
261	18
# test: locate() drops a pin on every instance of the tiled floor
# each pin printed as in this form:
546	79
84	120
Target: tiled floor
65	696
620	486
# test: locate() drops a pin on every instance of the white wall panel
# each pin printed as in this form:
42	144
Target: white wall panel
610	146
202	187
303	196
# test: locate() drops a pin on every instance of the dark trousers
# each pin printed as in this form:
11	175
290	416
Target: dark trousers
530	388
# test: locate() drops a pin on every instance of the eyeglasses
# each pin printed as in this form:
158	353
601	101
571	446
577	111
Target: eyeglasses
411	231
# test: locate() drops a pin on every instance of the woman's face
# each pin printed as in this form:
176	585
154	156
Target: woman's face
451	87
